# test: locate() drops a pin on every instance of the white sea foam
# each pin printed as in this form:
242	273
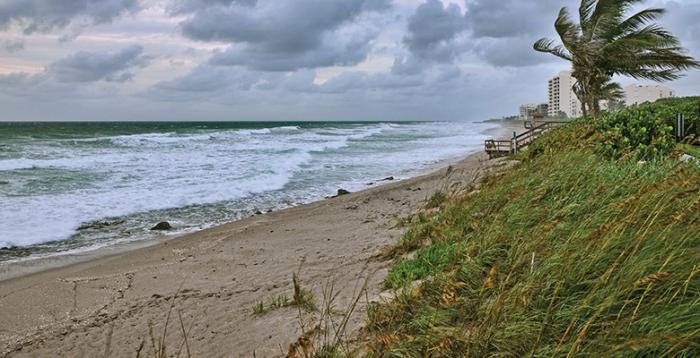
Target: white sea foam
236	168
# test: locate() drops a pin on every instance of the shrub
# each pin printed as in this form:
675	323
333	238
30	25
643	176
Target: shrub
645	132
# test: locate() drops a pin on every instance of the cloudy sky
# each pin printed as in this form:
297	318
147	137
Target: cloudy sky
285	59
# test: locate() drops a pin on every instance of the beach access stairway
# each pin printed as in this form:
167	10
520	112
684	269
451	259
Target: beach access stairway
496	148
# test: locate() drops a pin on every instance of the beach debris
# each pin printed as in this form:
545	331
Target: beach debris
342	192
162	226
689	159
258	212
388	179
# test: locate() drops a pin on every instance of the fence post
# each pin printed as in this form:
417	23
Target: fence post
680	126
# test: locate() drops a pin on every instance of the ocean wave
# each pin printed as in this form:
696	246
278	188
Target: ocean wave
151	172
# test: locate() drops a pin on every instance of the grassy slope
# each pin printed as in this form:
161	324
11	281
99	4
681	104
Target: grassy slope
568	253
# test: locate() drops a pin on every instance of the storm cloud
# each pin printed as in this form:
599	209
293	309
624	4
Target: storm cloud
77	76
432	31
282	36
94	66
292	59
47	15
12	45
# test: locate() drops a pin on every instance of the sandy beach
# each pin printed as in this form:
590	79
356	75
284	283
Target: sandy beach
114	306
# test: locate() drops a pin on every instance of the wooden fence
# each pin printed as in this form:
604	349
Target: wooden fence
503	147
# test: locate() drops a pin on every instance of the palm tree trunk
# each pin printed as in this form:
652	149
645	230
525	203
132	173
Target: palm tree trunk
595	109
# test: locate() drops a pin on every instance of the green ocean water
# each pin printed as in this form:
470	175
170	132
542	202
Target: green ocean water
70	187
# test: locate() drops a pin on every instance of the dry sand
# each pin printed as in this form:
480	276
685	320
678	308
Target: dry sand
107	306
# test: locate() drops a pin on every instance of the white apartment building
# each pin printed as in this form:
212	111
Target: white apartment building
562	97
526	111
638	94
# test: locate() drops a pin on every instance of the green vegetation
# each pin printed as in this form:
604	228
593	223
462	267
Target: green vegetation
580	250
436	200
607	42
646	131
281	301
690	150
302	298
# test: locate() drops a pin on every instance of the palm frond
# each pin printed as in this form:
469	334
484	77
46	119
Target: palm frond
611	91
548	46
607	41
586	10
567	29
638	20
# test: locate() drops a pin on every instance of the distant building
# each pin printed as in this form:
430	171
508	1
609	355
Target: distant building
529	111
526	111
562	98
542	109
638	94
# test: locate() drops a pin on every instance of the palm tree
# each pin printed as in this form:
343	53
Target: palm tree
606	42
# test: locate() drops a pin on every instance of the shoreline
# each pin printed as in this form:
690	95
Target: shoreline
215	276
31	265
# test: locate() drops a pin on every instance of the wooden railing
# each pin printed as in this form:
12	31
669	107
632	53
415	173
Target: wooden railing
504	147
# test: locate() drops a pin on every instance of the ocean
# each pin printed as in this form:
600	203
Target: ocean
73	187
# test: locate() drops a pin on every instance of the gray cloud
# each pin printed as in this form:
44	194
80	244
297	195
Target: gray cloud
81	75
509	52
502	32
12	46
205	80
219	83
46	15
418	59
282	36
432	31
93	66
511	18
189	6
333	50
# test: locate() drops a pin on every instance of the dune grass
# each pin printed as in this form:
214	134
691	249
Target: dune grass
568	254
436	200
302	298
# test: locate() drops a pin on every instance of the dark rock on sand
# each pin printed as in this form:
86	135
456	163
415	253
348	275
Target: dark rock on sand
388	179
162	226
342	192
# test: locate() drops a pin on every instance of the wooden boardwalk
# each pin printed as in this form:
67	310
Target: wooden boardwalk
496	148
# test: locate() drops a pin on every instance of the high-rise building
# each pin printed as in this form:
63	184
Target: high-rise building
562	97
638	94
